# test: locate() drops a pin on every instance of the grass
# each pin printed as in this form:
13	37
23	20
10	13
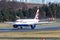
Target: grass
4	25
55	33
58	20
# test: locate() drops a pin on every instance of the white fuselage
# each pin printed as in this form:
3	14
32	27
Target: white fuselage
26	21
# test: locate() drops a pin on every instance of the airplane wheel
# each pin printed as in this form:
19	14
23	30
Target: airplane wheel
21	27
15	26
33	26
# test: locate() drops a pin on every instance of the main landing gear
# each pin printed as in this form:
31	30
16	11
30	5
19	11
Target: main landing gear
16	26
33	26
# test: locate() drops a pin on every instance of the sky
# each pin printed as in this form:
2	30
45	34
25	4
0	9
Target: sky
40	1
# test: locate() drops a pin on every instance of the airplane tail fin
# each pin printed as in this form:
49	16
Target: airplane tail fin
37	14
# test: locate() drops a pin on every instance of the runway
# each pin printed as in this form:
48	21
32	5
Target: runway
28	29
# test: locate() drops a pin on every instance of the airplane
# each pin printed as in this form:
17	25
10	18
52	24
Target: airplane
28	22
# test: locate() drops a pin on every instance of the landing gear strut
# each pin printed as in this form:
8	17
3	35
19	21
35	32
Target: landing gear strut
15	26
33	26
21	27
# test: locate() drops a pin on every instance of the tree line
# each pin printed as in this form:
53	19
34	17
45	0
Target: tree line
9	14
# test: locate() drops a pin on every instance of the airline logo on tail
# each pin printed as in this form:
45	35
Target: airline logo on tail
37	14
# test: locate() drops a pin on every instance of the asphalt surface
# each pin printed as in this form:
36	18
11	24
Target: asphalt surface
28	29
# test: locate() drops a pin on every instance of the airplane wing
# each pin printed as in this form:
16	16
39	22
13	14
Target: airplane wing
9	22
38	23
46	22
